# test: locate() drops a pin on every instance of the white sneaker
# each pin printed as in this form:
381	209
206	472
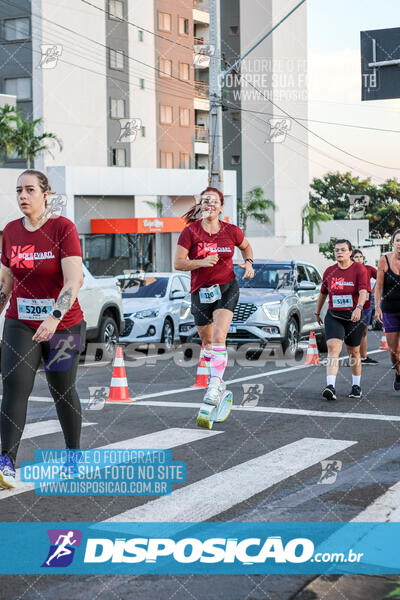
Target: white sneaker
215	391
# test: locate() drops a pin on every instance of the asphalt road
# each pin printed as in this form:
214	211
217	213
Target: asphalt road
273	420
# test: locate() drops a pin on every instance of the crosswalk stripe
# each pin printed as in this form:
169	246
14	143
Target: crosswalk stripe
217	493
161	440
45	427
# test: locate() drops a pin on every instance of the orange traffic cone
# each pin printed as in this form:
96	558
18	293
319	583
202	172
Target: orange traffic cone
119	391
202	372
384	344
312	357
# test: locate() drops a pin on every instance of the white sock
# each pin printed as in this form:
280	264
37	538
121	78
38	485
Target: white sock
330	380
356	379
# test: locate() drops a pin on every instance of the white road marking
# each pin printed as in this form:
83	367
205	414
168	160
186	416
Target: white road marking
383	509
44	427
161	440
213	495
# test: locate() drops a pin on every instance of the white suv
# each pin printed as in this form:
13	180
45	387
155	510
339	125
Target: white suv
101	302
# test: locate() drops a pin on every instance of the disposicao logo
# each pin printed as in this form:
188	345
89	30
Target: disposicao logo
62	547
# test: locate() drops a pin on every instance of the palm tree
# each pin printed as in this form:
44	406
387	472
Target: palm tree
8	119
28	144
255	206
311	217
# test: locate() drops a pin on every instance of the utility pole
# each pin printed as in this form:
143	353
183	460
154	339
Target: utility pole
215	156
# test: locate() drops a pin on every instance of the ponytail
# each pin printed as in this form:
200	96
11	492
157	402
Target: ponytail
195	212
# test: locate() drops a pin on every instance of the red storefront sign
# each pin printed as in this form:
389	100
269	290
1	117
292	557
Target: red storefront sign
139	225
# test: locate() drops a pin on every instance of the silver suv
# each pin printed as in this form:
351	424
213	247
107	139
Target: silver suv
277	305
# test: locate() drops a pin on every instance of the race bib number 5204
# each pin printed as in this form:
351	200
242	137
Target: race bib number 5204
34	309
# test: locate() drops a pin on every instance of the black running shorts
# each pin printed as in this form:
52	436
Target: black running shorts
203	312
338	325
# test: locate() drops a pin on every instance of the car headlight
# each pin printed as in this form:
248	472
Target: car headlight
272	310
185	310
145	314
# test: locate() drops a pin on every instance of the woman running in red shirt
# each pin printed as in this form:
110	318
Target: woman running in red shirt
206	247
346	284
41	273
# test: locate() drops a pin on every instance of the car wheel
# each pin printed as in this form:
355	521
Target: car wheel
291	340
108	335
321	343
167	335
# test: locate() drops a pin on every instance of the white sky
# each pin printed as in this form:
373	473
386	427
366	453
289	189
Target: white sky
335	89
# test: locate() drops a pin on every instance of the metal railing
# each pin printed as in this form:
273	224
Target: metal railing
202	89
200	134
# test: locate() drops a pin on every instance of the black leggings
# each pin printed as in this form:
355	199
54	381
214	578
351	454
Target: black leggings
20	360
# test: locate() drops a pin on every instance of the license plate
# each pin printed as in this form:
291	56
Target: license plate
232	329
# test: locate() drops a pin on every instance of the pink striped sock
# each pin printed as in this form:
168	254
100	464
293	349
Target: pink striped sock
207	358
219	360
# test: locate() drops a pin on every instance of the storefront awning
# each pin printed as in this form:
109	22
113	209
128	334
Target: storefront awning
138	225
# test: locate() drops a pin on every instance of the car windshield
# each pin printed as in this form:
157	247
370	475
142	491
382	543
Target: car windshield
266	276
148	287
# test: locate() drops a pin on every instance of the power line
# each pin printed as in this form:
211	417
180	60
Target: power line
313	132
317	121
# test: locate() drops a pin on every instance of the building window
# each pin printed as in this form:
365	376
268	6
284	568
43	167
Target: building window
164	21
20	87
183	26
143	131
235	160
141	84
116	9
184	160
234	30
167	160
165	114
117	108
165	67
235	116
184	71
184	117
116	59
16	29
118	157
140	35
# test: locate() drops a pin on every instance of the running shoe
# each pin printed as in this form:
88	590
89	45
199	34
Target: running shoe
214	392
355	392
70	467
368	361
7	472
329	393
396	383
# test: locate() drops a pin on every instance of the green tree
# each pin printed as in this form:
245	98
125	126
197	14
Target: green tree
255	207
8	119
158	205
311	217
28	143
328	248
331	192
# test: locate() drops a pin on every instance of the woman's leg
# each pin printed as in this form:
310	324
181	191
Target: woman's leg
332	366
205	334
219	358
355	363
393	340
20	359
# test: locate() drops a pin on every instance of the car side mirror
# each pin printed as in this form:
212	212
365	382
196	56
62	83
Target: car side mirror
306	285
177	295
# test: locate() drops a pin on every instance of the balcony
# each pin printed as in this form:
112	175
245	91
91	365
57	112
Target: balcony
200	139
201	96
201	13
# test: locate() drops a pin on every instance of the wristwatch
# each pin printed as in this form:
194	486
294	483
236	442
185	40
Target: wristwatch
360	306
57	314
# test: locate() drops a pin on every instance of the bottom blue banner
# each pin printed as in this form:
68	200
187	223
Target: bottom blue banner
212	548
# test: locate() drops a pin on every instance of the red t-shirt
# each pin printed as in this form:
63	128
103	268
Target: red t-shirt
34	258
343	285
372	272
201	244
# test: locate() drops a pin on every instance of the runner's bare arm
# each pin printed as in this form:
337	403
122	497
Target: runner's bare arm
247	253
73	279
378	289
6	284
183	263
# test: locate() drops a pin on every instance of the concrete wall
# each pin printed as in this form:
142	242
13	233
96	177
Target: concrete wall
354	230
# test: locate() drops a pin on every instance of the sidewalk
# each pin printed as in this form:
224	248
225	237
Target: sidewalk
350	587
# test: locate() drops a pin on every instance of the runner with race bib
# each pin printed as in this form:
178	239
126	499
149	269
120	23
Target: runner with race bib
41	274
206	247
346	284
